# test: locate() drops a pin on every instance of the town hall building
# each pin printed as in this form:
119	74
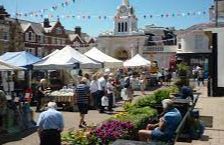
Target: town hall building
127	39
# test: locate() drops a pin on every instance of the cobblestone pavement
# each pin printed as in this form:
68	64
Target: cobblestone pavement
209	106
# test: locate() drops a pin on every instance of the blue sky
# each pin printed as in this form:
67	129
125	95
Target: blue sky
95	8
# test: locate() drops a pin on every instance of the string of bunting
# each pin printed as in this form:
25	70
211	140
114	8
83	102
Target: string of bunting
40	13
87	17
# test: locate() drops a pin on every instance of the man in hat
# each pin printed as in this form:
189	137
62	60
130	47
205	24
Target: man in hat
164	130
50	124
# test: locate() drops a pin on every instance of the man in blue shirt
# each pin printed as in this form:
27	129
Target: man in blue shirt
164	130
50	124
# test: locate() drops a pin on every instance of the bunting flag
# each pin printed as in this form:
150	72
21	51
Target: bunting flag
103	17
42	11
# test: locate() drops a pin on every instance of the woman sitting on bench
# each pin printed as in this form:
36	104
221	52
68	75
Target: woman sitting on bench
164	130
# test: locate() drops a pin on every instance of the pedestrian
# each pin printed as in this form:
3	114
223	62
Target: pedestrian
82	94
50	125
104	102
94	91
109	91
41	90
102	81
201	77
142	83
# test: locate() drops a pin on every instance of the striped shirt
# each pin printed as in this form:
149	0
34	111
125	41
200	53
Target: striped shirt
82	92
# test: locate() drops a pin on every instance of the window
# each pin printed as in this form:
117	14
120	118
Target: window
46	40
55	40
38	38
63	41
31	50
119	27
126	27
58	30
30	36
179	45
5	36
122	27
58	41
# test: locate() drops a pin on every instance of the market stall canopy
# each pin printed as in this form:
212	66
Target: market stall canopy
67	57
136	61
22	58
8	67
109	62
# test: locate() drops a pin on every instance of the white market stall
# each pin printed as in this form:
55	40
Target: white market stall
108	61
67	57
137	61
8	67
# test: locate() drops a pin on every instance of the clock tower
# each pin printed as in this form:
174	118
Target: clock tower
125	21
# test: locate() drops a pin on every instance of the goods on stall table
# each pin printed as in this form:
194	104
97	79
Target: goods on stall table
64	96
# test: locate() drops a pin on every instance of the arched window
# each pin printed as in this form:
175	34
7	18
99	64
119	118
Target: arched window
122	27
126	27
119	27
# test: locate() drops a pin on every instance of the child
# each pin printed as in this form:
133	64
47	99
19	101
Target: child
126	94
104	102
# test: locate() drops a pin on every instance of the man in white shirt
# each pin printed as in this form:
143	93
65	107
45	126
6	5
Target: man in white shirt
94	91
101	88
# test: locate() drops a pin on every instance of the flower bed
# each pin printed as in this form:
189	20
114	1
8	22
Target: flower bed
124	125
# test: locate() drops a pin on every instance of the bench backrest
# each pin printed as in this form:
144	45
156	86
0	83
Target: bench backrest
187	114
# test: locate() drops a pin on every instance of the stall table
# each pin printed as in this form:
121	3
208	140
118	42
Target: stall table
65	100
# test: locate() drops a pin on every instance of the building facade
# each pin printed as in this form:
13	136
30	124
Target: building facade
126	40
39	38
4	30
194	44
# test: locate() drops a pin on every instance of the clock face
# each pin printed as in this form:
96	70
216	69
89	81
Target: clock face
123	9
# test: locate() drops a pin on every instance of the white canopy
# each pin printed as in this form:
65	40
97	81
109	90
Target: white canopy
137	60
8	67
99	56
67	57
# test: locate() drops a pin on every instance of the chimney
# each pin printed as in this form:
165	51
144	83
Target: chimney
46	23
78	30
3	13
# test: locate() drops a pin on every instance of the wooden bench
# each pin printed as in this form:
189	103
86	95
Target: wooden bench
181	125
177	133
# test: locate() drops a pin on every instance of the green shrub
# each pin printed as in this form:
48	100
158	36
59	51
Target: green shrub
145	110
145	101
127	106
173	89
161	95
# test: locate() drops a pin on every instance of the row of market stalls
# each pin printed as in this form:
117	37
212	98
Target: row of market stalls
68	57
21	65
65	59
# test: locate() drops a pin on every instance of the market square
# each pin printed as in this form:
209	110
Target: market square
111	73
